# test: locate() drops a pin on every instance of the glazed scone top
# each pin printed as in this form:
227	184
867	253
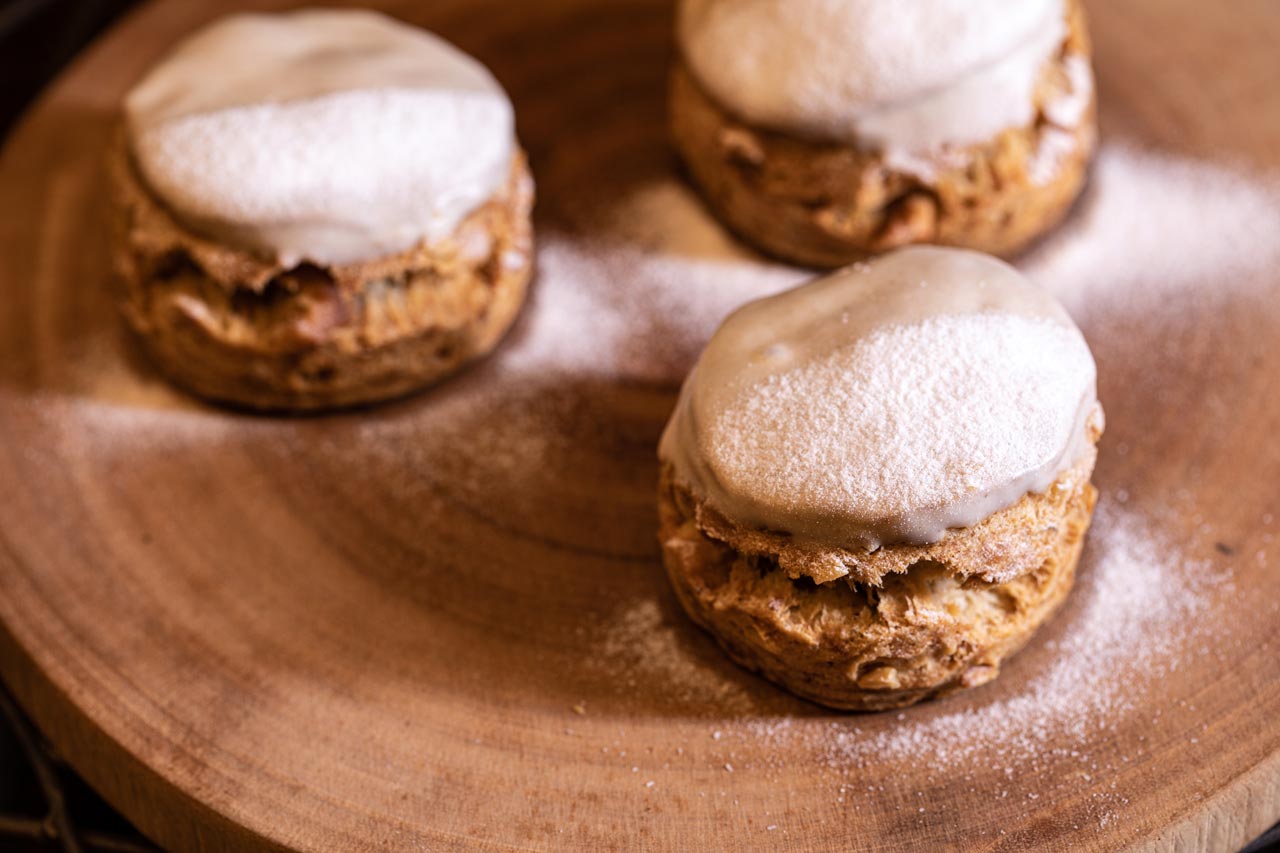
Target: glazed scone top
905	75
885	403
334	136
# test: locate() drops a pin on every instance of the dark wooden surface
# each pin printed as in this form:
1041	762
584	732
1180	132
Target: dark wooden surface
189	776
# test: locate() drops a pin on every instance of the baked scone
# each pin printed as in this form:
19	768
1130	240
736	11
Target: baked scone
875	487
318	209
826	132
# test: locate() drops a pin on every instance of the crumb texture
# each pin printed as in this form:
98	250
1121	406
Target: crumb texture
925	631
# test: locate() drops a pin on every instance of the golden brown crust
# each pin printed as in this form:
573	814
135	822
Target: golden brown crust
920	632
827	204
240	329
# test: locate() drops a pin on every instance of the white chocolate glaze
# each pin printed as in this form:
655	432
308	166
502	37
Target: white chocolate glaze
334	136
885	403
899	75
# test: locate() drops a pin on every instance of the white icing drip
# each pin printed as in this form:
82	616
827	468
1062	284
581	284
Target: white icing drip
884	73
331	136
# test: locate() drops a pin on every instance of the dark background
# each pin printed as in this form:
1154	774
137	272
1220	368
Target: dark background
43	804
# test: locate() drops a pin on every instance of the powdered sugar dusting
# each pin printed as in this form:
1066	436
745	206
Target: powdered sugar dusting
1135	609
640	298
104	400
1157	233
342	136
920	406
643	640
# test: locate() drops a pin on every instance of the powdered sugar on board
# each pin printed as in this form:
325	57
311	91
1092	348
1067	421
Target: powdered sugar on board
1157	246
1156	235
640	297
1163	235
1136	607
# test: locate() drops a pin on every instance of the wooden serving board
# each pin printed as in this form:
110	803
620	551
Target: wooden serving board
443	623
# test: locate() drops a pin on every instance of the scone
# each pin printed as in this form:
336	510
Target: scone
318	209
826	132
875	487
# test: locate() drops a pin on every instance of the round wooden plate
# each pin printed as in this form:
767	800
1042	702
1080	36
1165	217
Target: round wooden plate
443	623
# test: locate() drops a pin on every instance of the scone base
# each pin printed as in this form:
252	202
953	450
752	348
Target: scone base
916	635
239	331
825	204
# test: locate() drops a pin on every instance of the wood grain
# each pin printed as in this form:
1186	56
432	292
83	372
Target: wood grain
344	633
